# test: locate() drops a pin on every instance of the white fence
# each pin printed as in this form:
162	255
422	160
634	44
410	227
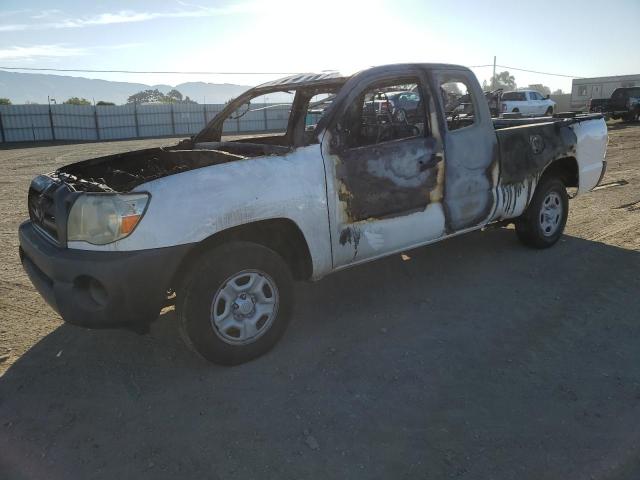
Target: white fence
29	123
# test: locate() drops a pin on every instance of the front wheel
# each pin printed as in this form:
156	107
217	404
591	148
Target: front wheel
549	112
235	303
543	222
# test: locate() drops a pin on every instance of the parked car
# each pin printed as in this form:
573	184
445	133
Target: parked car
624	104
223	228
401	105
528	103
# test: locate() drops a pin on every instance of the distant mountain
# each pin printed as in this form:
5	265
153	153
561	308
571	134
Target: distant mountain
34	87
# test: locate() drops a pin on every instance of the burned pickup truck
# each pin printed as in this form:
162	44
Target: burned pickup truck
223	227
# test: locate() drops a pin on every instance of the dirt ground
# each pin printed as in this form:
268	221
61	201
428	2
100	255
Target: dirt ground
476	358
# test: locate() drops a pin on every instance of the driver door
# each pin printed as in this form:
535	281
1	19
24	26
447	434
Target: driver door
385	170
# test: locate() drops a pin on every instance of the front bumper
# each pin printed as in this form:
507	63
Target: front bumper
99	289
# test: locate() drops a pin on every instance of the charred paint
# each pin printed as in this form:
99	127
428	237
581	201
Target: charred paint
527	150
387	179
123	172
512	199
351	235
471	157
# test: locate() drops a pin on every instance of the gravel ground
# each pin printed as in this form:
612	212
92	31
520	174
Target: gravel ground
474	358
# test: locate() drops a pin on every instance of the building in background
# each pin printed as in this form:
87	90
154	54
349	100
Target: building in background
585	89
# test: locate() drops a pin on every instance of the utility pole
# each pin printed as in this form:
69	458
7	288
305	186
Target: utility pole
95	119
204	109
493	78
135	118
53	132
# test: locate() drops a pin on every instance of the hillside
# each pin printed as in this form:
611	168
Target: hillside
34	87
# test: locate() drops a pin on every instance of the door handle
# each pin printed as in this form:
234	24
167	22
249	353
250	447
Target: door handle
432	162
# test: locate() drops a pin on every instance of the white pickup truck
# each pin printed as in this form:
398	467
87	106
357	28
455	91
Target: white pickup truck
224	227
528	103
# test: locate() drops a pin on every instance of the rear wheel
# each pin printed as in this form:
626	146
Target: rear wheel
235	303
543	222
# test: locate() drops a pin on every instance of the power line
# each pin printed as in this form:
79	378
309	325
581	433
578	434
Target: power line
529	71
541	73
86	70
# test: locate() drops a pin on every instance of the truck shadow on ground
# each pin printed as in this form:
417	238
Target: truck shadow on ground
473	357
622	125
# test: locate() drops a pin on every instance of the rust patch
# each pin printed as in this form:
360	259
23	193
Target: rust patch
436	195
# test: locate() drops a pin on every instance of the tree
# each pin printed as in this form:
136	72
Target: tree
502	80
452	88
147	96
103	103
540	88
76	101
174	96
5	101
156	96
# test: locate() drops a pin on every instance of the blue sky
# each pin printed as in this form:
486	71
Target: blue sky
582	38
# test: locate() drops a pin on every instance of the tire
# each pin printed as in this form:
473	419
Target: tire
631	117
549	112
543	222
216	322
515	110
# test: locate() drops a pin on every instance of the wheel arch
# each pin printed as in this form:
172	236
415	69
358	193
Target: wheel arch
566	169
281	235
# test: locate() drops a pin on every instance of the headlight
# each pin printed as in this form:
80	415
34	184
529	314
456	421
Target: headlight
105	217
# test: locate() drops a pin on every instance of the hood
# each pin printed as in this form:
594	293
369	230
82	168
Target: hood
125	171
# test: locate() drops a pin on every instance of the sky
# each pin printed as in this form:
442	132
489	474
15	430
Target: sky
578	38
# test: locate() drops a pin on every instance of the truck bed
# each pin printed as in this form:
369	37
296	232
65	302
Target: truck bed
528	146
564	119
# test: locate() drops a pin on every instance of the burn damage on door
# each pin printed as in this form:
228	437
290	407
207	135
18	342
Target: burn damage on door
389	179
